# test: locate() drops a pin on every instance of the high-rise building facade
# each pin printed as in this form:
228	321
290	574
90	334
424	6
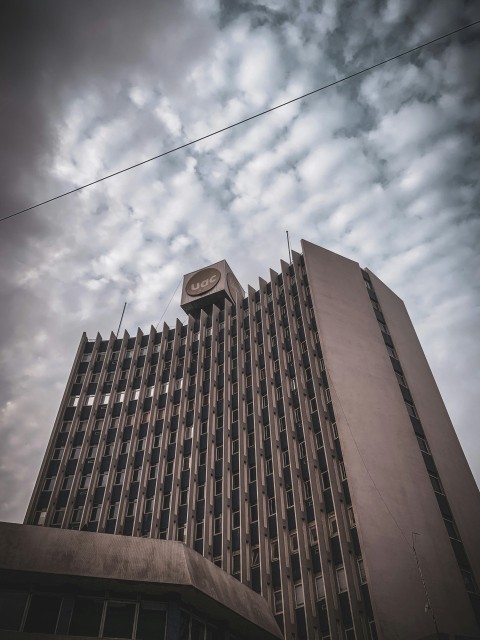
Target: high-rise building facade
295	437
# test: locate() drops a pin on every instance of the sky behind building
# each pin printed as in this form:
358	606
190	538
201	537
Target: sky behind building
382	169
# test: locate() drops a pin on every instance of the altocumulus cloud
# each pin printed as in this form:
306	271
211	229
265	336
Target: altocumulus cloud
382	169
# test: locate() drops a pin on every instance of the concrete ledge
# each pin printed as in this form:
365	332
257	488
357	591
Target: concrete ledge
62	556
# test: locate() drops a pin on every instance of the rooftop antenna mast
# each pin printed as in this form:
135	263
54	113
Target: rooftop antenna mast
124	307
289	252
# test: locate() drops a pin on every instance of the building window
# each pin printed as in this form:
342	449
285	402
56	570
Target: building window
235	481
75	453
173	437
76	515
361	570
203	427
277	601
451	529
274	550
319	587
235	519
40	517
422	443
266	432
319	440
49	483
217	524
325	480
437	487
343	473
85	482
184	496
57	453
252	474
95	513
289	495
153	472
313	405
285	459
236	563
269	467
293	542
102	479
401	380
105	398
141	444
341	579
253	513
199	531
201	492
383	327
307	489
73	402
298	593
332	525
113	511
166	501
148	505
302	453
334	430
219	452
468	580
351	517
137	472
131	507
67	483
391	352
282	423
58	517
202	458
271	507
251	440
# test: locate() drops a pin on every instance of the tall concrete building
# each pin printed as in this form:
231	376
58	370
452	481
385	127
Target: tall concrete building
295	437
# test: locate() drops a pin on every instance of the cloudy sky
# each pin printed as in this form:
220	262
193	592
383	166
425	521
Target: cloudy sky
382	169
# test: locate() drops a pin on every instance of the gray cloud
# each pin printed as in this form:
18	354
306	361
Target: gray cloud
381	169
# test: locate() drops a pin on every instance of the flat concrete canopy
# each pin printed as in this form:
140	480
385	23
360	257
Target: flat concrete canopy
60	557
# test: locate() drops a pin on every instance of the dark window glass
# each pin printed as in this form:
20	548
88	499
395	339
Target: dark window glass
119	620
198	630
43	613
12	606
184	626
87	614
151	621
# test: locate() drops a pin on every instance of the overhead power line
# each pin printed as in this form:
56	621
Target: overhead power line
236	124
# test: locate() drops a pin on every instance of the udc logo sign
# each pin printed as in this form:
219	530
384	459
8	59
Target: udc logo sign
203	281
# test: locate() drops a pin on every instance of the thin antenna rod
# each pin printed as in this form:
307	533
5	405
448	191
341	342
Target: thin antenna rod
429	604
288	243
124	307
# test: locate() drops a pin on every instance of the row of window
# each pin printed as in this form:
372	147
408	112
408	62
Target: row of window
424	448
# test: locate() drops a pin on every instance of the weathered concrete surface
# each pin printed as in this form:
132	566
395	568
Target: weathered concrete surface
99	556
390	487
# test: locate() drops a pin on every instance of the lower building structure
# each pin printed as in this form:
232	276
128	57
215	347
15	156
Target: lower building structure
294	436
